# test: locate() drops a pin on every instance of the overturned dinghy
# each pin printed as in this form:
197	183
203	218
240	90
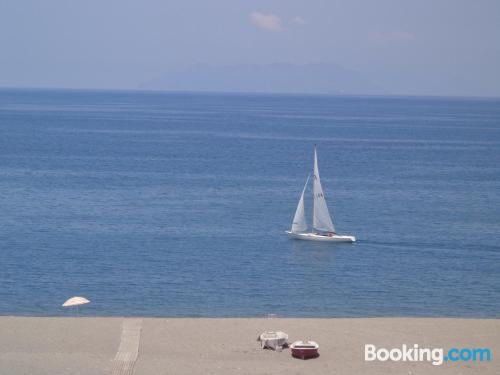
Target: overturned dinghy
273	340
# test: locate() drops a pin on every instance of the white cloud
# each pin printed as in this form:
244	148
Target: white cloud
266	21
298	21
392	36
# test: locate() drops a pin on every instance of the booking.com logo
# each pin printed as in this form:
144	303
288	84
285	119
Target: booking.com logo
436	356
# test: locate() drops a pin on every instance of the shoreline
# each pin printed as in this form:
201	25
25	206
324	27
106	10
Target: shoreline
80	315
181	345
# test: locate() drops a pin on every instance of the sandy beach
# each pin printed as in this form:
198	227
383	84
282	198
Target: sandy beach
31	345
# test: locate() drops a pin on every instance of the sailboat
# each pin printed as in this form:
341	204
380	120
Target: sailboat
323	229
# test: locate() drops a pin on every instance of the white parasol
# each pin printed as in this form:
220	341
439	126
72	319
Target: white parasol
75	301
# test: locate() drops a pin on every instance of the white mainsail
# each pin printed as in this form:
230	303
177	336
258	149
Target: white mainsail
299	220
321	217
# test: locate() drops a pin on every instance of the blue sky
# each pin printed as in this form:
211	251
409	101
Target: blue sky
440	47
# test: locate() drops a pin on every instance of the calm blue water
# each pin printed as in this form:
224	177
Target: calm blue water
168	204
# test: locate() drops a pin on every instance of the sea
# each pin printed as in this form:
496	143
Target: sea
176	204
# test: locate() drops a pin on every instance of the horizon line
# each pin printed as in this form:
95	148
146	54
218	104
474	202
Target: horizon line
271	93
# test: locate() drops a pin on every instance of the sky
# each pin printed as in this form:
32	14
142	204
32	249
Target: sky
420	47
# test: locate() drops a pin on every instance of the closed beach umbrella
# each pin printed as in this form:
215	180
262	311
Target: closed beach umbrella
75	301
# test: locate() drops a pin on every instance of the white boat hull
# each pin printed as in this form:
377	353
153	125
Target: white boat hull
320	237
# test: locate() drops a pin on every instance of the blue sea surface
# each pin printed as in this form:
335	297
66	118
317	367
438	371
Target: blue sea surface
175	204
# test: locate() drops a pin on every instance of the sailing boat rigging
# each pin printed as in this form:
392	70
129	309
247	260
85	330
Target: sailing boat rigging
322	229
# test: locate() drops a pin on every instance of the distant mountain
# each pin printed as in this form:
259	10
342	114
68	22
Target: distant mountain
319	78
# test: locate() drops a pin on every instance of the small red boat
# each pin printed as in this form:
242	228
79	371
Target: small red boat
304	350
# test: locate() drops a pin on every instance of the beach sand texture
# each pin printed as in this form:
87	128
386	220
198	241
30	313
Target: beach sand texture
31	345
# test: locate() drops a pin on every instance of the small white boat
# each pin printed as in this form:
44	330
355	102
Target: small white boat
273	340
323	229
